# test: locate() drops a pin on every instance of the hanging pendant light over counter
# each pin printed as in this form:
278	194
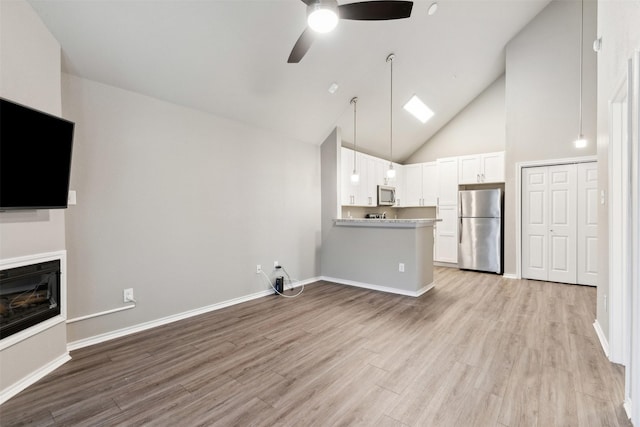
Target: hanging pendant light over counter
355	178
391	173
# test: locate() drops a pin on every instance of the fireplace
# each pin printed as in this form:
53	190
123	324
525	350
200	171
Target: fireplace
29	295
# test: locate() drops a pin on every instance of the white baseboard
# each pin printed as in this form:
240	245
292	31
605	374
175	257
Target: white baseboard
603	340
627	407
510	276
380	288
33	377
85	342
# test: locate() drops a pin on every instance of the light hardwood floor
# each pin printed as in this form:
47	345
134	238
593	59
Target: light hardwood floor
477	350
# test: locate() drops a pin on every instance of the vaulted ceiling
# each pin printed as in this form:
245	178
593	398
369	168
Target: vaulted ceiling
229	58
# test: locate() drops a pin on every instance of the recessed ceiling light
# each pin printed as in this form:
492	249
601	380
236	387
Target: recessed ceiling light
333	88
418	109
433	8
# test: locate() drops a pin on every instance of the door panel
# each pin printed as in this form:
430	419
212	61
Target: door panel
534	223
562	224
549	211
587	231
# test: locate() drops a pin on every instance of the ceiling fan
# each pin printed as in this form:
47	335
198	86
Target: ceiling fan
323	15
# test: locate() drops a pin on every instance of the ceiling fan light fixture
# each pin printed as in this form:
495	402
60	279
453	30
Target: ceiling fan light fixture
322	16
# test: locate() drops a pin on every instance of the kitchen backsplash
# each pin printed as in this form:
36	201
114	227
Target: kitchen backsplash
392	213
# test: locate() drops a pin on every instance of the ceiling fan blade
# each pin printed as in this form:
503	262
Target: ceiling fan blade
376	10
302	46
308	2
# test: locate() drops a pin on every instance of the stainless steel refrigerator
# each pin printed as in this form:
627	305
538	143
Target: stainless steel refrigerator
480	230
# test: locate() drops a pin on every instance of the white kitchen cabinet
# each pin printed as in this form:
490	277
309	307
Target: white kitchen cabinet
421	184
446	243
481	168
447	181
371	171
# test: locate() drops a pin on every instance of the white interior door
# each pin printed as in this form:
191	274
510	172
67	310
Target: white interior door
562	223
549	223
535	223
447	234
587	232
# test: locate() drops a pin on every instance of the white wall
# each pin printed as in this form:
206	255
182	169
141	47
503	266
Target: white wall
620	32
542	96
29	75
180	206
478	128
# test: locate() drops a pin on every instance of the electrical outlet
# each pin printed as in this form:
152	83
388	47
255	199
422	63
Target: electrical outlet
275	264
401	267
258	269
128	295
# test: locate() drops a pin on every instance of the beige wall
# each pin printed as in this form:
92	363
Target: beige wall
478	128
542	97
179	205
30	75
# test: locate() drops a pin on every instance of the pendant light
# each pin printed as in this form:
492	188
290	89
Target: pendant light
581	142
391	172
355	178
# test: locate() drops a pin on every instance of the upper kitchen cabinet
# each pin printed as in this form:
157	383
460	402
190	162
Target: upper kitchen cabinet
371	171
420	184
481	168
448	181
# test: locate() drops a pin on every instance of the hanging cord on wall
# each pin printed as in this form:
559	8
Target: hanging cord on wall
290	283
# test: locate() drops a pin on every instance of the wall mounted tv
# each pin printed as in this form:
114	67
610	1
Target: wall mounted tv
35	158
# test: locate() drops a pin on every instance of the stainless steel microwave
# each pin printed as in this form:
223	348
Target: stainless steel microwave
386	195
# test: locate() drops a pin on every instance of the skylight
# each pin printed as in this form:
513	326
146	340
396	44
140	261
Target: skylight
418	109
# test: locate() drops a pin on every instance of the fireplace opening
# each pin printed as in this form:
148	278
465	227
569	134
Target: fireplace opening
28	295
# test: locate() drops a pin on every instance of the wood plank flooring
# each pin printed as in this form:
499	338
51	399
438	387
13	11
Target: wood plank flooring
477	350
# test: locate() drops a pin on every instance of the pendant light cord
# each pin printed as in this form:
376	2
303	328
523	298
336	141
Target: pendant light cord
581	65
354	101
390	60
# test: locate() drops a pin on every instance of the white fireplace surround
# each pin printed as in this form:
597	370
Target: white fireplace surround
8	263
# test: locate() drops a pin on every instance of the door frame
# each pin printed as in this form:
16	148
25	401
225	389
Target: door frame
530	164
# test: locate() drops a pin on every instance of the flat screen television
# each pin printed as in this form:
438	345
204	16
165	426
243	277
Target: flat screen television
35	158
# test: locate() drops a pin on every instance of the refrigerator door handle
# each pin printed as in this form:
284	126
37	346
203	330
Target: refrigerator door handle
460	232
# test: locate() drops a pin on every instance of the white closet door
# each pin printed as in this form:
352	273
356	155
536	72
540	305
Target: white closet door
535	228
562	223
588	224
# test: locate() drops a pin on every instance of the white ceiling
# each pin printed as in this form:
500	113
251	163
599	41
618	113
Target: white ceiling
229	58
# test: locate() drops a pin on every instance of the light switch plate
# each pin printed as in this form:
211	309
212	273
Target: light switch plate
71	199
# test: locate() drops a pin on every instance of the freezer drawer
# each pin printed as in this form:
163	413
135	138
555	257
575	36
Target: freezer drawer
479	245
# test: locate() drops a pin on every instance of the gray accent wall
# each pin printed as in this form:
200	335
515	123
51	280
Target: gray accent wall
181	206
542	97
30	75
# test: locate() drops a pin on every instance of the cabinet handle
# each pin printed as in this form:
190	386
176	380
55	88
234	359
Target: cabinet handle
482	177
477	177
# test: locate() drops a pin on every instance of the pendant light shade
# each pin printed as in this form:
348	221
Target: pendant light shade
581	142
355	177
391	172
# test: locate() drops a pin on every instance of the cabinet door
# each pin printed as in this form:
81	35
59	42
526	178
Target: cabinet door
429	184
348	190
399	184
448	181
492	167
413	185
469	169
368	195
447	235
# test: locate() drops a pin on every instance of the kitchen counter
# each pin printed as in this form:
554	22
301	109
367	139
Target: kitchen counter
386	222
389	255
